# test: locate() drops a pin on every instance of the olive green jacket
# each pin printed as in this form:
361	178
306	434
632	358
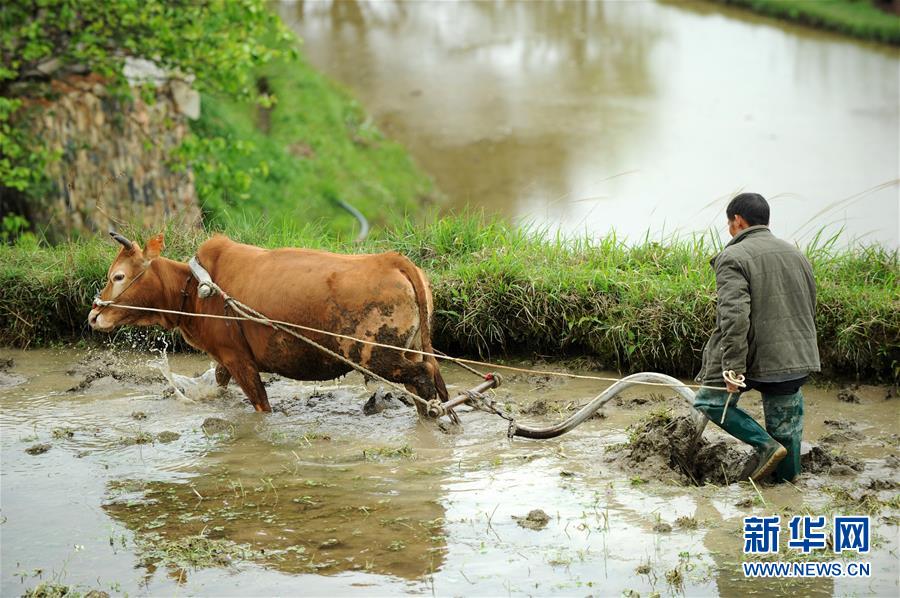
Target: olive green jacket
765	316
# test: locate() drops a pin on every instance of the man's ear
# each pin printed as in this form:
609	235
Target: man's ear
154	247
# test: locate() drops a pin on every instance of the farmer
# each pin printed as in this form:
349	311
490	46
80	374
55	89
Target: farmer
765	331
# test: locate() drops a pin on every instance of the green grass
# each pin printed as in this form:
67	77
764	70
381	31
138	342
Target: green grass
319	147
502	289
858	18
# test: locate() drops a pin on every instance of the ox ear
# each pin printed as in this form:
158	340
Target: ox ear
154	247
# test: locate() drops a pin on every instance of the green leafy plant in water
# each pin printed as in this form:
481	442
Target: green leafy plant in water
195	552
382	453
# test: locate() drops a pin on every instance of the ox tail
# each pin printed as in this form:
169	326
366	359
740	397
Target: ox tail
423	297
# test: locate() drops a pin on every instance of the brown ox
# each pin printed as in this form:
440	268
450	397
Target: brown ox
377	297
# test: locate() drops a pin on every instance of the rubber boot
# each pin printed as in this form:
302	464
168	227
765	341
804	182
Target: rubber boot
784	422
742	426
738	422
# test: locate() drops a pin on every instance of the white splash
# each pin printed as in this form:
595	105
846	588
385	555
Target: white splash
188	388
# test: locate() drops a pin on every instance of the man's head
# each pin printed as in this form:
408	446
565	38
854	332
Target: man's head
746	210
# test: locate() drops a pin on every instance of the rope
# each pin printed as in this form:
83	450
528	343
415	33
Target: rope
254	316
248	313
462	365
736	380
457	360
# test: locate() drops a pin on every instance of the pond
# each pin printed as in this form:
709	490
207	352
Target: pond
637	117
129	472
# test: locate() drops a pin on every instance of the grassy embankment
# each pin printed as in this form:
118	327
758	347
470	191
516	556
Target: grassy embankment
857	18
498	288
293	162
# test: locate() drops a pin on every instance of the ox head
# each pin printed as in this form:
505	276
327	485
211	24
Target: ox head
129	281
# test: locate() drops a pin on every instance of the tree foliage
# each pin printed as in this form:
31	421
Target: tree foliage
217	43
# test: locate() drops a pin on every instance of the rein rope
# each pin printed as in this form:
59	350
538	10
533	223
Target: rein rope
461	361
206	287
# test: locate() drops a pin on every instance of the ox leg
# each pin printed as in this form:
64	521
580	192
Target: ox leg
222	375
418	377
247	376
420	408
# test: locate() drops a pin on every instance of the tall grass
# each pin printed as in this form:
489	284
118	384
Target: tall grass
505	289
858	18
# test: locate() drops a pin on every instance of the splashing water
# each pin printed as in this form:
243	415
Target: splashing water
187	388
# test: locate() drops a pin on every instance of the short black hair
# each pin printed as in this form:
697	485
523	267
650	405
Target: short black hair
753	207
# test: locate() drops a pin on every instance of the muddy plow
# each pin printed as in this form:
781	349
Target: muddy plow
475	398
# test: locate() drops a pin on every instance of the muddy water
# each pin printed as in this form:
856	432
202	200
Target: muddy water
633	116
319	498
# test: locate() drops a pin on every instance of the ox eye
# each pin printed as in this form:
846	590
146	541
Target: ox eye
118	277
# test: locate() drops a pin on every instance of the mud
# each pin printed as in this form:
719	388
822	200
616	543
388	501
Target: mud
642	401
38	449
7	378
848	395
106	369
818	459
217	425
537	381
167	436
662	446
381	400
536	520
841	437
166	478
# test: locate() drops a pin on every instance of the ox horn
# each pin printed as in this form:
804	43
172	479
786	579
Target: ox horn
128	245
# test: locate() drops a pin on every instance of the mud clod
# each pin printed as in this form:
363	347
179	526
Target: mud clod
166	437
538	381
815	459
661	447
216	425
538	407
841	437
882	484
633	402
330	543
536	519
94	368
838	424
839	470
139	438
38	449
380	401
8	380
848	395
662	527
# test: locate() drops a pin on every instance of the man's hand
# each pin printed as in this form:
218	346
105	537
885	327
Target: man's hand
730	379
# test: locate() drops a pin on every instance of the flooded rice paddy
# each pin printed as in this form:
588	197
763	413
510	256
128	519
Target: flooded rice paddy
593	116
132	473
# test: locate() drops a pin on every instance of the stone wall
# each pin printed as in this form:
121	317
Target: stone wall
114	167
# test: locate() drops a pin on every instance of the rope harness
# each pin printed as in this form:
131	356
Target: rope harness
434	408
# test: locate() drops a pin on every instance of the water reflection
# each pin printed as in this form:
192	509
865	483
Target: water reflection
628	116
294	515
